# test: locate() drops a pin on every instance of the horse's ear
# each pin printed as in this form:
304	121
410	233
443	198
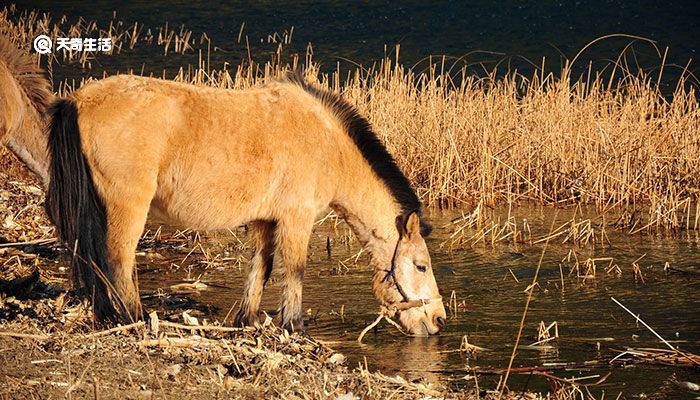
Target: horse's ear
413	224
410	224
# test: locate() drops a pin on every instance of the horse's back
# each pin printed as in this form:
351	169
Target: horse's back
233	154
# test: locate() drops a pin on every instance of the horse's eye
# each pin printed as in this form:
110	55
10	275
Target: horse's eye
421	268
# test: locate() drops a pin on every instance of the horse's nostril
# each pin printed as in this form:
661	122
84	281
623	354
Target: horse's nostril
440	322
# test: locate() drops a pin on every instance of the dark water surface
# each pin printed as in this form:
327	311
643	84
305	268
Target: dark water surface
491	307
519	33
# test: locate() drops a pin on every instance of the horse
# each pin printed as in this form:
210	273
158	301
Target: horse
272	157
24	97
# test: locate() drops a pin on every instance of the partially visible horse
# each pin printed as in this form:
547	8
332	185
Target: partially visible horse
24	96
271	157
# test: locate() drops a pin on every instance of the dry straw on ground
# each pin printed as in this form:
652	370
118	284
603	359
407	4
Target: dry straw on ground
172	360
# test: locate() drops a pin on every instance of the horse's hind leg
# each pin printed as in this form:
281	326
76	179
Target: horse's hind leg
263	234
126	219
293	233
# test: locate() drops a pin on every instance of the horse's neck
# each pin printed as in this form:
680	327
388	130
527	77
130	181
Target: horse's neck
369	208
29	143
371	213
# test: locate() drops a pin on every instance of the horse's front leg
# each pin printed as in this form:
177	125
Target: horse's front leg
263	235
293	233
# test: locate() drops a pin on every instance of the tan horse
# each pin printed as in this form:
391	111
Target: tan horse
272	157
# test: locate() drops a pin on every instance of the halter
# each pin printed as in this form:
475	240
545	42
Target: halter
405	303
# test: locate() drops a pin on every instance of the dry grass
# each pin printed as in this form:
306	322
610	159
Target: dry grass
163	359
24	26
618	145
626	150
552	140
555	141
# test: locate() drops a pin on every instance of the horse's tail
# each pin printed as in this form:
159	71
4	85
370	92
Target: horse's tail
78	212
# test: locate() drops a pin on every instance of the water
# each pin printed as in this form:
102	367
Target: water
516	34
492	307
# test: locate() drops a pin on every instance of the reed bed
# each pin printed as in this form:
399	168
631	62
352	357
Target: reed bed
625	151
610	141
23	27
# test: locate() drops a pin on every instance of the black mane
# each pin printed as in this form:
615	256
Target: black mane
371	148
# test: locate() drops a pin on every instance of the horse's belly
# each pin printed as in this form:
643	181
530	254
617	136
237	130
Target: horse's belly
210	212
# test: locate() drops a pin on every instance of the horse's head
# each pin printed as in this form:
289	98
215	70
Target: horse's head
409	285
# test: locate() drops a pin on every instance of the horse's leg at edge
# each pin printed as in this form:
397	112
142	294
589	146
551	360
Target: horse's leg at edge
292	236
125	223
263	233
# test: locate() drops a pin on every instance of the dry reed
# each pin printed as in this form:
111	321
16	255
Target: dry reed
618	145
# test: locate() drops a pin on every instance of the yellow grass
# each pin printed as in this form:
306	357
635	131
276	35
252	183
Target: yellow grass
551	139
465	140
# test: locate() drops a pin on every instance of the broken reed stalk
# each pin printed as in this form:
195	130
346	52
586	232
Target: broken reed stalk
658	356
644	323
369	327
212	328
382	316
106	332
116	329
654	332
29	242
522	320
25	336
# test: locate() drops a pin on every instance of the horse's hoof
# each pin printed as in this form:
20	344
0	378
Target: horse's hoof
295	326
243	319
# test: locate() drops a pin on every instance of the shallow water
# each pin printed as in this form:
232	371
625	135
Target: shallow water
493	306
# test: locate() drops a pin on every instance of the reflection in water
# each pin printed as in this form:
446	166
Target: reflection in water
491	302
416	358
